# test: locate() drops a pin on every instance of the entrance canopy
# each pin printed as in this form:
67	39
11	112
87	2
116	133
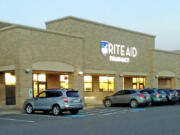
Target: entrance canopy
7	68
166	74
134	74
52	66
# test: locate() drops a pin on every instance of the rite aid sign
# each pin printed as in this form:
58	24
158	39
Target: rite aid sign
117	52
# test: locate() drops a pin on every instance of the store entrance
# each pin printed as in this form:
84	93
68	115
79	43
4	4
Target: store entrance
134	82
49	80
39	87
39	84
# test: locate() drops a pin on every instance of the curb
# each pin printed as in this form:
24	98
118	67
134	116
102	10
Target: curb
92	106
16	111
10	112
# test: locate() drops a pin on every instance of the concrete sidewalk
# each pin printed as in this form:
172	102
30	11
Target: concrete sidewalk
91	106
9	110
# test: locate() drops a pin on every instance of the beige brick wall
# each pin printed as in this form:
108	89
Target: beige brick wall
165	61
94	33
2	89
8	47
23	46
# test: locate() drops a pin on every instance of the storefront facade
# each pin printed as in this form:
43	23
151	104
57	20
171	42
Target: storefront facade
95	59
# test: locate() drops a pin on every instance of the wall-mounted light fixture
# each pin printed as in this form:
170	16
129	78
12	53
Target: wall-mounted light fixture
27	70
156	76
80	73
120	75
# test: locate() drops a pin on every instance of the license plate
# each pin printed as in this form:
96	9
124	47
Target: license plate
75	101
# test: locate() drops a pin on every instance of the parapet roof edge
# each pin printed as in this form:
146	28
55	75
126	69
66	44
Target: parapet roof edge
97	23
165	51
37	29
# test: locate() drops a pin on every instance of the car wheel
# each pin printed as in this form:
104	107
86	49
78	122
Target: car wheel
29	109
107	103
133	103
56	110
74	111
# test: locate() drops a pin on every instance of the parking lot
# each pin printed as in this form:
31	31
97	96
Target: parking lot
115	120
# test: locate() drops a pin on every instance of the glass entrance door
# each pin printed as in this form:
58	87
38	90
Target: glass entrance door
39	83
39	87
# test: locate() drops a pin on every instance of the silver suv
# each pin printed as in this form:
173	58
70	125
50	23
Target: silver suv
55	100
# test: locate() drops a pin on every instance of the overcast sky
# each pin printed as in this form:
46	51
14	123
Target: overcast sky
156	17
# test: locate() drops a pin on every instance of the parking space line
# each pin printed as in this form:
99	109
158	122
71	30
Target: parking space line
95	112
17	120
107	114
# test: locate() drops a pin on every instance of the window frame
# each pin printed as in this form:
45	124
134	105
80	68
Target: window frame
108	84
88	82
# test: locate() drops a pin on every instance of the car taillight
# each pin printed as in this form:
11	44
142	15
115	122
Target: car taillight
141	95
179	94
157	95
65	99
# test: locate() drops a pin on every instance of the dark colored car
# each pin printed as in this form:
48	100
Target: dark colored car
172	95
131	97
55	100
178	91
156	95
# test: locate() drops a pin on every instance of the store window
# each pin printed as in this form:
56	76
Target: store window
106	83
138	82
64	81
88	83
39	83
10	79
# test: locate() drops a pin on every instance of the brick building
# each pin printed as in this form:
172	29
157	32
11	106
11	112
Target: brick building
94	58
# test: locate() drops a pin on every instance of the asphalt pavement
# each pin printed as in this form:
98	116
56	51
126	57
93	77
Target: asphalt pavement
158	120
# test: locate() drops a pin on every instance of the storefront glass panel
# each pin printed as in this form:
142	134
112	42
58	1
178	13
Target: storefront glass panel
35	89
64	81
10	79
39	83
87	83
106	83
134	82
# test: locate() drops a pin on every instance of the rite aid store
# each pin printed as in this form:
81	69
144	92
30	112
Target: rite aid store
94	58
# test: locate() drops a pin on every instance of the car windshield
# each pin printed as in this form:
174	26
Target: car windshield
172	90
72	94
132	91
150	91
165	90
143	92
161	92
178	91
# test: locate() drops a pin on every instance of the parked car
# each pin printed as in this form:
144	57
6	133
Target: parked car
156	95
171	95
148	97
55	100
178	91
132	97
